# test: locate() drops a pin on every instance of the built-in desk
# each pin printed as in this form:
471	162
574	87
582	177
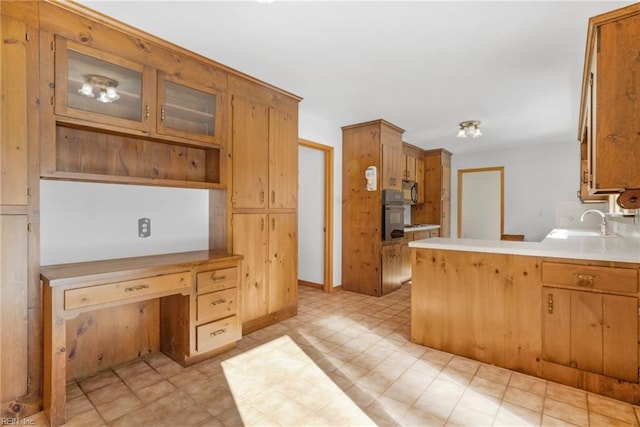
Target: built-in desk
198	293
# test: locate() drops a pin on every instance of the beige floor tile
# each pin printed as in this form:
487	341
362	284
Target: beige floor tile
378	420
143	380
437	356
387	406
87	419
494	373
133	369
375	381
379	351
612	408
107	394
570	395
340	410
565	412
189	416
434	404
118	407
465	416
389	370
529	383
155	391
361	396
157	359
77	406
404	392
453	375
366	361
139	417
416	418
446	389
524	398
100	380
465	365
549	421
352	371
480	402
510	415
187	377
170	404
73	390
596	419
488	387
416	379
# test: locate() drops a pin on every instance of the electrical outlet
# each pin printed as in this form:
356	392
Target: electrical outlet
144	227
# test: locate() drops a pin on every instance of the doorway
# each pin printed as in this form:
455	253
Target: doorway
481	203
315	215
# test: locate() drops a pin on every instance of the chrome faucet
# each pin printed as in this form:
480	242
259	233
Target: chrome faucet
603	224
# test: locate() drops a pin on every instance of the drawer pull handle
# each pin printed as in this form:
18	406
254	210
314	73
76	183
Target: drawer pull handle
218	332
136	288
218	278
585	280
220	301
550	304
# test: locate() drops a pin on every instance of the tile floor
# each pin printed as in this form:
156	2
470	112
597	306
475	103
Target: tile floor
344	360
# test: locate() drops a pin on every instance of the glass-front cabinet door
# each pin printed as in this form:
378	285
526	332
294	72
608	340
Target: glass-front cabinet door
188	110
100	87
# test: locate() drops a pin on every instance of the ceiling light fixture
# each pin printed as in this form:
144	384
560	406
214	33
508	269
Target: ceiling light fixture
105	85
469	128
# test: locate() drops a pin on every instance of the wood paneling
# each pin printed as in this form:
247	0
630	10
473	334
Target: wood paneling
283	160
283	256
13	307
436	208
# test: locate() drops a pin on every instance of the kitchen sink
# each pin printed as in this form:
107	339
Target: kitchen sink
566	233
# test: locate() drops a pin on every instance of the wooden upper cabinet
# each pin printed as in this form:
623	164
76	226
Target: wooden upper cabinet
608	97
249	153
99	87
15	57
283	160
189	110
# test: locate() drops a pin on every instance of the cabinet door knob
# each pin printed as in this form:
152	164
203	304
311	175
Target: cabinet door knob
162	114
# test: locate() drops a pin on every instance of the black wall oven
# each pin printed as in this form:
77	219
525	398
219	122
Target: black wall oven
392	215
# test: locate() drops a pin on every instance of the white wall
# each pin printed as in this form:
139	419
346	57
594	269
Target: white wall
86	221
317	129
311	215
536	179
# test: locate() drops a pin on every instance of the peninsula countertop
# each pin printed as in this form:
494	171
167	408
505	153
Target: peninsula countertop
559	243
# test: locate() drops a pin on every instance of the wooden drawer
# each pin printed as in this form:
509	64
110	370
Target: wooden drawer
215	280
613	279
216	305
101	294
218	333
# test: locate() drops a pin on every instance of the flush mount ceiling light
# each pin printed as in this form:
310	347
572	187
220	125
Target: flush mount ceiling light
469	128
106	86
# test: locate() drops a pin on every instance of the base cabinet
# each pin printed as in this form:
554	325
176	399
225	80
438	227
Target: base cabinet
392	267
590	318
269	245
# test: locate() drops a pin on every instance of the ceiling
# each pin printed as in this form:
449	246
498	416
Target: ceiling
424	66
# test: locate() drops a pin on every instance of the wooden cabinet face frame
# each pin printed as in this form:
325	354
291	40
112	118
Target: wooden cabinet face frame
189	110
131	78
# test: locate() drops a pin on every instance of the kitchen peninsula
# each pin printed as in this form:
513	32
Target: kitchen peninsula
564	309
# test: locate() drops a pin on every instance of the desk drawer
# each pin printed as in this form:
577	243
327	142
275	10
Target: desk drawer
215	280
119	291
218	333
217	305
612	279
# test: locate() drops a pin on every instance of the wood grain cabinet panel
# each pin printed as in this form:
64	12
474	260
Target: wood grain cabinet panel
590	330
436	208
216	334
216	280
609	121
283	266
216	305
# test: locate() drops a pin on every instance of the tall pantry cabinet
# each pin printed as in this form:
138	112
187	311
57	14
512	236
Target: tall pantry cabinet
437	206
263	150
20	312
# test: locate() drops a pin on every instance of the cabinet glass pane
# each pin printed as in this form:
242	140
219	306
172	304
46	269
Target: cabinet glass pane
189	110
102	87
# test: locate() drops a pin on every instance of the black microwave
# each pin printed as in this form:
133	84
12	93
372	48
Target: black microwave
410	192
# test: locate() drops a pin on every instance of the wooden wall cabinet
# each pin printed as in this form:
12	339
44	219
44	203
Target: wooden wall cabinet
362	249
609	118
585	325
263	179
20	302
436	208
125	109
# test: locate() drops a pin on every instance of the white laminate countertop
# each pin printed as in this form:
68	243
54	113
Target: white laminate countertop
559	243
421	227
